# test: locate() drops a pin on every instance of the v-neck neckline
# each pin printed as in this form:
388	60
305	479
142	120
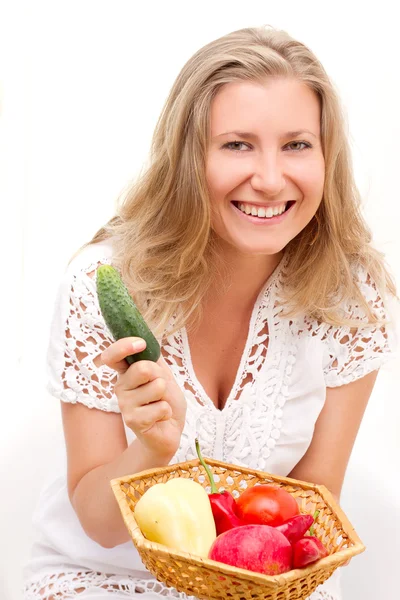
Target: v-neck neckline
245	354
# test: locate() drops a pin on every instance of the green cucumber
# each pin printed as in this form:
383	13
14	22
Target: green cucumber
121	314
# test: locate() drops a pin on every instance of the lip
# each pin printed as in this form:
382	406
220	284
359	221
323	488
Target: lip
263	204
262	221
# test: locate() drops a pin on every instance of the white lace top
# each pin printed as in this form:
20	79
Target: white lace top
267	422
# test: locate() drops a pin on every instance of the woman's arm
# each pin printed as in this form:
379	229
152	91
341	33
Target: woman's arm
97	452
326	459
153	406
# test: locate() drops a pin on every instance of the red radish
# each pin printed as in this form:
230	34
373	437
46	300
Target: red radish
295	528
307	550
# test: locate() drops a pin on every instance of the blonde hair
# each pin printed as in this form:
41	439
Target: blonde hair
163	242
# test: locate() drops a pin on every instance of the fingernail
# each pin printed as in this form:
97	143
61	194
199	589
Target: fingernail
139	345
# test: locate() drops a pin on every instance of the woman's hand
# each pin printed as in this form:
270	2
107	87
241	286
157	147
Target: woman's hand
151	402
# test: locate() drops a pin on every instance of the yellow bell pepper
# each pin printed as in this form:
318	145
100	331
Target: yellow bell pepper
177	514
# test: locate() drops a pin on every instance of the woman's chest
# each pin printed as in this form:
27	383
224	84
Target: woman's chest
273	389
217	352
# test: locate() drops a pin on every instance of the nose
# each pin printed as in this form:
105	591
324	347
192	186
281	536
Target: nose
268	176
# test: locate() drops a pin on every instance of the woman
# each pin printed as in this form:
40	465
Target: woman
244	247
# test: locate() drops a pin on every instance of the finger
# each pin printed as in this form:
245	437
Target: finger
147	416
146	394
114	356
167	373
139	374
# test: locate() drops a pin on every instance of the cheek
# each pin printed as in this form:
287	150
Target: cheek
312	180
223	177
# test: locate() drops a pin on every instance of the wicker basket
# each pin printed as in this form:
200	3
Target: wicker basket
208	579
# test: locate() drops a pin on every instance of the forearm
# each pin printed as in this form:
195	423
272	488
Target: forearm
94	501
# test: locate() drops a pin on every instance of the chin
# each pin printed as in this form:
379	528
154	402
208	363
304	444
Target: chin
252	245
260	249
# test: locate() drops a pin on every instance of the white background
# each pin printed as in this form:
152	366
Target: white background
82	84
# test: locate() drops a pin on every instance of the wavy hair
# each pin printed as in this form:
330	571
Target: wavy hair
163	242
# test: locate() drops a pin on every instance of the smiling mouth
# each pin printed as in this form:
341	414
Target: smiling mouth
263	212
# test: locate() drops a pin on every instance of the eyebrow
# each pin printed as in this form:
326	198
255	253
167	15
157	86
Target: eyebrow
247	134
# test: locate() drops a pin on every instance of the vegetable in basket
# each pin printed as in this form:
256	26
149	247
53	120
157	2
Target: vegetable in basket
295	527
177	514
223	504
266	505
258	548
308	550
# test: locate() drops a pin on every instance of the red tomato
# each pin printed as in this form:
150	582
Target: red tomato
266	505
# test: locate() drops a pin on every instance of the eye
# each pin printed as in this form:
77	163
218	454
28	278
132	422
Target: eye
236	146
298	146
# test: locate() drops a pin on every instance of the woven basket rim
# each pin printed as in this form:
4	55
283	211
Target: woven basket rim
162	551
216	463
335	559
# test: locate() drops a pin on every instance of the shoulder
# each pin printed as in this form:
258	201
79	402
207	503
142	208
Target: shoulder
355	350
78	278
356	347
353	310
77	288
370	293
86	260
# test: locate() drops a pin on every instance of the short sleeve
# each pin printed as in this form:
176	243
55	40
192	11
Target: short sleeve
78	334
352	353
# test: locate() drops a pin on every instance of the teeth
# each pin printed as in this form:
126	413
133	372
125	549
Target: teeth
262	211
270	212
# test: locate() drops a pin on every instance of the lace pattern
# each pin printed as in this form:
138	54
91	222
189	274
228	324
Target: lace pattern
86	336
245	432
353	353
69	586
248	429
349	353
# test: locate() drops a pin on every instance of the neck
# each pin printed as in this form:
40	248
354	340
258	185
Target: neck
239	280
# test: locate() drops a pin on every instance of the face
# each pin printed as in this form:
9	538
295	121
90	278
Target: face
265	166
